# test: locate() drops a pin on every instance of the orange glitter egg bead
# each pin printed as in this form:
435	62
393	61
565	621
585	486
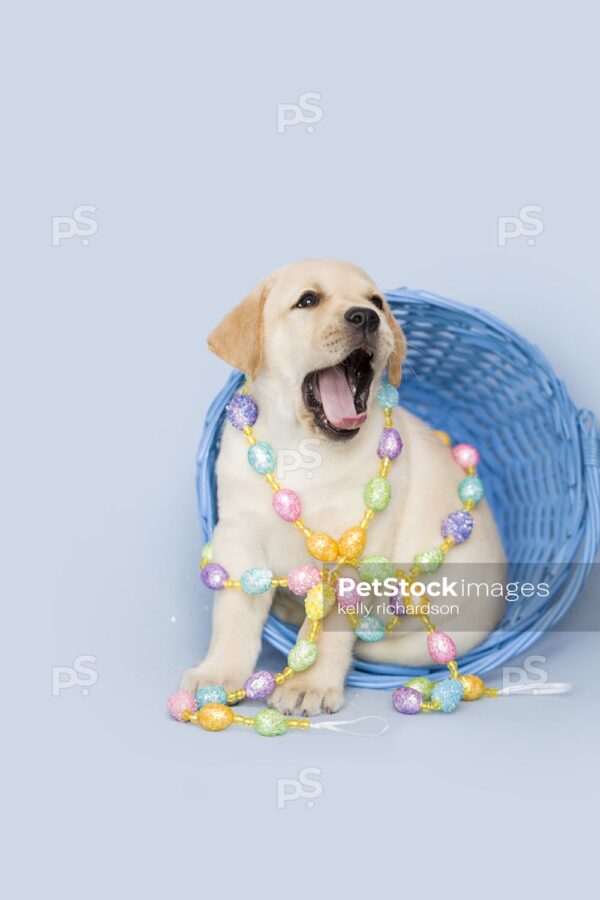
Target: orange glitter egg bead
322	546
352	542
473	685
215	716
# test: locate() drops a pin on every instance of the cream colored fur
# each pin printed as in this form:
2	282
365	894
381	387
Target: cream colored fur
279	345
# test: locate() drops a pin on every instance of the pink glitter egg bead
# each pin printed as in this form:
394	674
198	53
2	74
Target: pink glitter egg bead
180	701
301	579
347	598
465	455
287	504
441	647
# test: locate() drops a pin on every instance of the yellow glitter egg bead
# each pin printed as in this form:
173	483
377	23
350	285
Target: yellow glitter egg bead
322	546
215	716
352	542
444	438
319	601
473	685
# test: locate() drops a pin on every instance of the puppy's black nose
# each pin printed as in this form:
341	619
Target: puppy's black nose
363	317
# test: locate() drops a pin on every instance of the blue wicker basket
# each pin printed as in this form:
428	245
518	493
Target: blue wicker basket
470	375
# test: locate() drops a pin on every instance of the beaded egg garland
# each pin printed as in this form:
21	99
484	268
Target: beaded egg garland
210	707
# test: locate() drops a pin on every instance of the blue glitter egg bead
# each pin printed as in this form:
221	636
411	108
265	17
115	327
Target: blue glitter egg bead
449	693
241	411
387	395
261	457
471	488
458	525
256	581
370	629
212	693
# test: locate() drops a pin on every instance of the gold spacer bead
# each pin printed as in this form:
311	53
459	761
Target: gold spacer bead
272	481
447	544
453	668
491	692
299	523
304	723
392	622
471	470
427	623
367	518
186	715
387	417
249	434
352	618
239	720
384	468
314	632
249	721
469	505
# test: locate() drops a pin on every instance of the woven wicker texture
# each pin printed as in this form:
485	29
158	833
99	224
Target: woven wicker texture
470	375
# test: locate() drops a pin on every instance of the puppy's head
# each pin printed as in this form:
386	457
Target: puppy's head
325	331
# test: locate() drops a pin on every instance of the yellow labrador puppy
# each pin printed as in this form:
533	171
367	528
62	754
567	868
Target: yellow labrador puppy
315	338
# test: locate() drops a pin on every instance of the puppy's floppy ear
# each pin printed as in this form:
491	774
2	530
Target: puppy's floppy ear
394	366
239	338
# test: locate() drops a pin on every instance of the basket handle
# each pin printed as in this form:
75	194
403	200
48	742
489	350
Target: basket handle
590	456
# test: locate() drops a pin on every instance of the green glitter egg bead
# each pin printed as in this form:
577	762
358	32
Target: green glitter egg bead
270	723
207	554
471	488
378	493
373	568
421	684
370	629
262	458
256	581
429	560
302	655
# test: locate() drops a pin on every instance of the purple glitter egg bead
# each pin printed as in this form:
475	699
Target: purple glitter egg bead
180	701
287	504
259	685
397	603
214	576
346	594
441	647
407	701
390	443
241	411
301	579
458	525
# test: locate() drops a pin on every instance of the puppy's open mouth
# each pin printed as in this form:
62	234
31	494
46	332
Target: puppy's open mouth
337	396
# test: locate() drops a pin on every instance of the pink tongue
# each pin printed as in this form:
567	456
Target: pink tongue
337	399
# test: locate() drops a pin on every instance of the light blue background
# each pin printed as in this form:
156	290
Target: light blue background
437	119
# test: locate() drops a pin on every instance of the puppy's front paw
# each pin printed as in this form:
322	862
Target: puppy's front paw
306	699
202	676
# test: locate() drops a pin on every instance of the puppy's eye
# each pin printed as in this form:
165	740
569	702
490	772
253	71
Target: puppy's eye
308	298
377	301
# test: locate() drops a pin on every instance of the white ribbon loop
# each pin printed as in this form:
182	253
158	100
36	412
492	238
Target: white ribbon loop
340	726
535	687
